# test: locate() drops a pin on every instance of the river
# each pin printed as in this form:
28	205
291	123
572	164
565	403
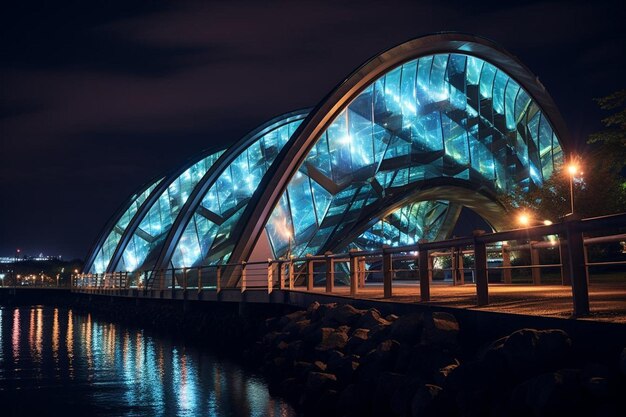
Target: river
55	361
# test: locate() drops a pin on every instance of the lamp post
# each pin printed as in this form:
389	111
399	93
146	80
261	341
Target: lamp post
572	170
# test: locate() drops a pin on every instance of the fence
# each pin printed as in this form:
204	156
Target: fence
480	259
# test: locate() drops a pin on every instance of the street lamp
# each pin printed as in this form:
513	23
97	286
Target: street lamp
526	220
572	170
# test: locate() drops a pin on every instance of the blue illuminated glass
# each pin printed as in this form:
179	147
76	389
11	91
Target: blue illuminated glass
441	116
105	252
206	237
146	241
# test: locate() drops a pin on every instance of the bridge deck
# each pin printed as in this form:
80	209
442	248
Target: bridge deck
607	301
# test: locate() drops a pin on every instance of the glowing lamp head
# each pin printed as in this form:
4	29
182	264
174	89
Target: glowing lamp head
572	169
547	222
524	219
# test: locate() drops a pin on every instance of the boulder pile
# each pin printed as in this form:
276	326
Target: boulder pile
338	360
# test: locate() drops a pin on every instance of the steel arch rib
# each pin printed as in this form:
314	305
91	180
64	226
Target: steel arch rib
195	198
293	154
147	205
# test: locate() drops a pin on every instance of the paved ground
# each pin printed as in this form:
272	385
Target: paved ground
607	301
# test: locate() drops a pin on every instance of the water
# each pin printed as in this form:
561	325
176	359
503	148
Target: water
54	361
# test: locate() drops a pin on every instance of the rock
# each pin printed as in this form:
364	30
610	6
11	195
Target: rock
321	311
391	317
443	373
598	387
274	338
326	404
370	319
550	394
529	351
295	350
440	329
318	335
387	352
316	381
334	359
423	402
294	328
402	397
291	317
312	308
407	328
345	370
352	402
341	315
319	366
335	340
356	339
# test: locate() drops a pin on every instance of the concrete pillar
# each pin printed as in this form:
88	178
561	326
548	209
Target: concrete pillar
424	264
578	269
507	276
330	272
534	261
480	269
387	273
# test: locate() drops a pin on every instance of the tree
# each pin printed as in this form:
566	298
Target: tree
612	140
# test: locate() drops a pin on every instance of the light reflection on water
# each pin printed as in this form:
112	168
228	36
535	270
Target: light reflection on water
57	361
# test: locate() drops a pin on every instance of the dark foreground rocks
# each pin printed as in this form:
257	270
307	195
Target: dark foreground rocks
338	360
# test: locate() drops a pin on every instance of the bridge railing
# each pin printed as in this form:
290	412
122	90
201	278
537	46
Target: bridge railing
543	254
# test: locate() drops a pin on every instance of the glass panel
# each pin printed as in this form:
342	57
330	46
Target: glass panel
421	128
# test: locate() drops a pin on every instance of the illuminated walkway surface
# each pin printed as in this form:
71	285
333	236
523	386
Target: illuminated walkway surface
608	301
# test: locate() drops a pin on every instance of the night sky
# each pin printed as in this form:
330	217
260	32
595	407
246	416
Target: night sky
97	100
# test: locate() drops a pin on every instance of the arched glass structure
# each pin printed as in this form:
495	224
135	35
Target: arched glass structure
104	252
222	205
390	156
146	239
440	117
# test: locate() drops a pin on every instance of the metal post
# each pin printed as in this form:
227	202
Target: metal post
281	275
534	261
290	273
310	273
218	281
243	276
461	267
387	273
199	279
454	266
362	270
480	269
507	276
330	272
184	279
354	277
564	256
578	269
270	276
424	268
173	280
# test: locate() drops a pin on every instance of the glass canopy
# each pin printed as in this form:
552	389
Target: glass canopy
105	252
147	239
452	118
205	237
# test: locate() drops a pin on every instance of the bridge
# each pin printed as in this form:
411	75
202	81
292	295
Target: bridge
482	272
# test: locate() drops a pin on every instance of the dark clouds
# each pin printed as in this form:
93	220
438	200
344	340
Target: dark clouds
96	99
